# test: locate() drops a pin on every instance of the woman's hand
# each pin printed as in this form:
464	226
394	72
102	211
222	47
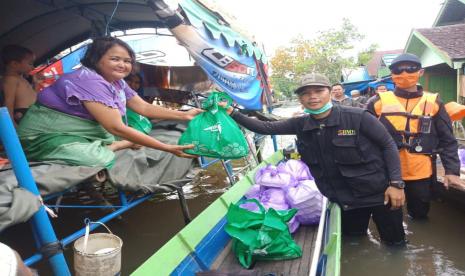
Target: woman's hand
229	110
179	150
124	144
135	146
191	113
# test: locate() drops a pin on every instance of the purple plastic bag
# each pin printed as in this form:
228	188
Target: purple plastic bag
309	219
298	169
250	206
308	200
276	206
273	195
269	176
462	157
253	192
293	225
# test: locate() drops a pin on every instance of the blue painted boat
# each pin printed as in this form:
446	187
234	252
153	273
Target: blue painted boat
203	247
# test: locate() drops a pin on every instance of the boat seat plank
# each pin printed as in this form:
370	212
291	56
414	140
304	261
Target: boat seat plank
305	237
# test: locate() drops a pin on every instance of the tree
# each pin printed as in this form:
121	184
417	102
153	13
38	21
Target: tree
364	56
326	54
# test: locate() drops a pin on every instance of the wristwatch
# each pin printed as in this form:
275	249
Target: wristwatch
399	184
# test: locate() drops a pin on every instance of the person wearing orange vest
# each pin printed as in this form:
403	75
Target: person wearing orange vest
421	128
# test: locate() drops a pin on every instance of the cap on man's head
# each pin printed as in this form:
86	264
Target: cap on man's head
355	92
407	57
313	79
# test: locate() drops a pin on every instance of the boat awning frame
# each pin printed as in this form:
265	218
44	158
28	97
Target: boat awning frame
50	26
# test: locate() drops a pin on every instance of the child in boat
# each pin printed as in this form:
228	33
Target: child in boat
18	93
75	120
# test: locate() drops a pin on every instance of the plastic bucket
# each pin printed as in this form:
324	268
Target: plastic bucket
97	254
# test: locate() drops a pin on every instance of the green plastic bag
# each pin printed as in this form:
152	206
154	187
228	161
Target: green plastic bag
137	121
262	235
213	133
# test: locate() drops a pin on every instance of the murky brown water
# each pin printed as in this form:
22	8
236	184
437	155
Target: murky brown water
437	246
143	229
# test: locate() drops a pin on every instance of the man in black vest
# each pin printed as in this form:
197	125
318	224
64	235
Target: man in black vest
351	155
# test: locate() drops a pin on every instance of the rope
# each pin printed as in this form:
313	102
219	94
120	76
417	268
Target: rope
111	17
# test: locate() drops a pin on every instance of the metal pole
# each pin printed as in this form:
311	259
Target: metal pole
269	102
229	171
76	235
41	224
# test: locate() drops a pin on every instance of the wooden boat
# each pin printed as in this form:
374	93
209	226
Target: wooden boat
454	195
204	248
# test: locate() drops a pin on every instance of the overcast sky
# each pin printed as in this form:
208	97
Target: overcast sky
387	23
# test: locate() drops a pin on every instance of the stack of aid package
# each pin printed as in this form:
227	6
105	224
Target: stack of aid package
288	185
462	158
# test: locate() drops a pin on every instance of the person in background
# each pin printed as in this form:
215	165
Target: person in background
338	97
381	87
75	120
18	93
350	154
132	118
134	80
358	99
421	128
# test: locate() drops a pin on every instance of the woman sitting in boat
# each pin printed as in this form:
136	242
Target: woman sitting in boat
75	121
351	155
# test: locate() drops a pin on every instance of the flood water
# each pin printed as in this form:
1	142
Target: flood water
437	246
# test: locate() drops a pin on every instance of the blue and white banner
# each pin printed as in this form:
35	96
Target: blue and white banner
234	72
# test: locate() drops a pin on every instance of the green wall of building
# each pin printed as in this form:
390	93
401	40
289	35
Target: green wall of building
442	80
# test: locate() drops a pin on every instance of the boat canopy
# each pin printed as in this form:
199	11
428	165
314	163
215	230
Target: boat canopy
356	79
47	27
230	59
386	81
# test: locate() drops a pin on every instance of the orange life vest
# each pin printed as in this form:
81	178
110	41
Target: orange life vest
411	131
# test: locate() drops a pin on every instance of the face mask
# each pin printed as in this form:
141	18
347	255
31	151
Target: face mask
406	80
325	108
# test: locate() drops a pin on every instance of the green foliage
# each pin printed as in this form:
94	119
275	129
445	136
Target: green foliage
365	55
326	54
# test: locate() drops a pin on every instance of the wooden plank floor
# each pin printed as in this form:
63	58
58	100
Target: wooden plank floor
227	264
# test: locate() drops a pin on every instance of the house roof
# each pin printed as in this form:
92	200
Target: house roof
377	60
449	39
452	12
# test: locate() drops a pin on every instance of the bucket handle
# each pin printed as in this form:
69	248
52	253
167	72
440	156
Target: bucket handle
86	236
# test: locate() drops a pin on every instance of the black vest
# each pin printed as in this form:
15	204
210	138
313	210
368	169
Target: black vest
348	168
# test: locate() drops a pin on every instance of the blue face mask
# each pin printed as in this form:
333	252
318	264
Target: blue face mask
325	108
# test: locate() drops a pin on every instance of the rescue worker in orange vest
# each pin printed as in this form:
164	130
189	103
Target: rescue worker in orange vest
421	127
